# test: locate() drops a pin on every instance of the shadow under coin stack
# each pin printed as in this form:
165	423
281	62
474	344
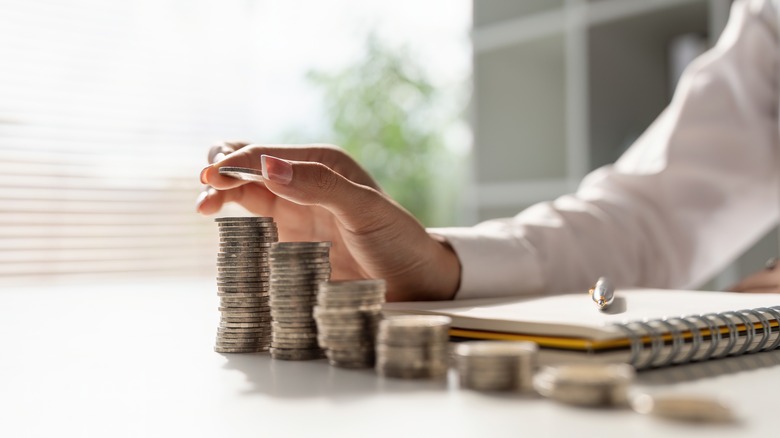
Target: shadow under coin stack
297	268
243	283
413	347
347	315
496	365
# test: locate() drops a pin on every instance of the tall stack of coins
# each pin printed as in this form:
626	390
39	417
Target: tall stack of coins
243	283
297	268
496	366
347	315
413	346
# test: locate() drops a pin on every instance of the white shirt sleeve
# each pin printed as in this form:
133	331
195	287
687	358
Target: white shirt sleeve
692	193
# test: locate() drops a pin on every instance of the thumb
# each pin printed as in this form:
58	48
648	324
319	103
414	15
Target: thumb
311	183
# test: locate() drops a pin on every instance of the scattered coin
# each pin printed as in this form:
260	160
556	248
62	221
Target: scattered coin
586	384
684	407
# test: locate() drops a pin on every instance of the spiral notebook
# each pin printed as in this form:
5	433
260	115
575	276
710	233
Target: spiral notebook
647	328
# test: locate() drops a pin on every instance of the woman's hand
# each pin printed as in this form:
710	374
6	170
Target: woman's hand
319	193
766	280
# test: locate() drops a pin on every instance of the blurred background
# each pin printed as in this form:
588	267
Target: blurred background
463	111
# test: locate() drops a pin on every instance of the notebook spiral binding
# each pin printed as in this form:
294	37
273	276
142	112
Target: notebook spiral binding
659	354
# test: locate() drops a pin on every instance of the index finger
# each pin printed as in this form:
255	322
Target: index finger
210	174
219	151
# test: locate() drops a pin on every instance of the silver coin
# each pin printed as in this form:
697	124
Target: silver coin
253	308
244	287
292	300
242	312
684	407
292	332
230	278
231	281
358	312
293	345
296	257
243	244
244	302
238	256
290	314
310	286
242	173
235	335
354	332
250	305
258	324
301	264
350	354
276	325
242	294
232	267
236	342
350	286
254	240
219	349
586	384
293	245
222	331
295	274
243	261
293	292
246	312
256	290
300	274
244	219
288	354
285	320
268	227
243	290
243	251
294	337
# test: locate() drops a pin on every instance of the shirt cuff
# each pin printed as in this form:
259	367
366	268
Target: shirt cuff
494	263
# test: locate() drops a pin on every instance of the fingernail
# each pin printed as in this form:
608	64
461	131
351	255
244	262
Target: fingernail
276	170
202	197
203	175
219	157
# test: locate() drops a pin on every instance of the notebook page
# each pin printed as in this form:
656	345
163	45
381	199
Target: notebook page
575	315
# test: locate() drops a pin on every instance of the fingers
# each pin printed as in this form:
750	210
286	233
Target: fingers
220	150
254	197
761	281
356	206
249	156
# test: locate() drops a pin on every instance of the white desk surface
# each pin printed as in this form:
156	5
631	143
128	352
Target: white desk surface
137	360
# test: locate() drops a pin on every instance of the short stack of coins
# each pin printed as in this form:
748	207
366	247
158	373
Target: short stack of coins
347	315
297	268
592	384
243	283
496	365
413	346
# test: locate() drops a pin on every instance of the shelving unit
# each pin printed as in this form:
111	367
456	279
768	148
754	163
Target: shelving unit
563	87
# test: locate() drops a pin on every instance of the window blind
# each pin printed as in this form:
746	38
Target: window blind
107	109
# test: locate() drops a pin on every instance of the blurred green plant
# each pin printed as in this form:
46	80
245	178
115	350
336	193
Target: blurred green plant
388	115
